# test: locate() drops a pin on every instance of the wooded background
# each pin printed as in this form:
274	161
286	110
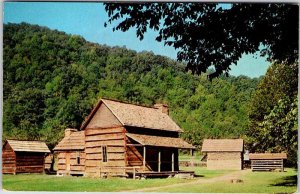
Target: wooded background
52	80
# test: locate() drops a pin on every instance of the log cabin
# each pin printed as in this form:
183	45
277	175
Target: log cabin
224	153
70	153
267	161
121	138
23	156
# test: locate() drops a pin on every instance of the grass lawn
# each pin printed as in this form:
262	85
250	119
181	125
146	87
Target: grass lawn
197	156
23	182
40	182
268	182
202	172
254	182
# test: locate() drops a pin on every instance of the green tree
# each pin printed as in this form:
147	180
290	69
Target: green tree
272	106
279	81
278	132
210	35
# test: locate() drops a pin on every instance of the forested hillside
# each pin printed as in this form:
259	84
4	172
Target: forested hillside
52	80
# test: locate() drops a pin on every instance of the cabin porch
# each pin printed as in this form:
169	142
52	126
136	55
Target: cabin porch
154	156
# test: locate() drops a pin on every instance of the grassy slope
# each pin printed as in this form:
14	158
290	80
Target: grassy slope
254	182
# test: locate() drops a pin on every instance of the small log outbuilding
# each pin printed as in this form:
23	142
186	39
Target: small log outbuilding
71	155
224	153
23	156
121	139
267	161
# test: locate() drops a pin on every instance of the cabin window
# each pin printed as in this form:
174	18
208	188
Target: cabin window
104	153
78	157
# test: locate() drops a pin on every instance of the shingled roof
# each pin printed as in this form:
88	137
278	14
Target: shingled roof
150	140
75	141
267	156
223	145
136	116
28	146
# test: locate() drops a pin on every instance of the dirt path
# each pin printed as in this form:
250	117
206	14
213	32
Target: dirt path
233	175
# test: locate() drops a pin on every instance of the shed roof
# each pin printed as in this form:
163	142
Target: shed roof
267	156
28	146
223	145
136	116
160	141
75	141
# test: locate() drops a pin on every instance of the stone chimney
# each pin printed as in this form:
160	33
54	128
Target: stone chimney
163	107
68	131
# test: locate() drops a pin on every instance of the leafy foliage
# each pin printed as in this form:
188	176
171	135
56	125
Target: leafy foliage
279	129
280	81
52	80
273	114
209	35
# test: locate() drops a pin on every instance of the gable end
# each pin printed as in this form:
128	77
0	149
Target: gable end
103	118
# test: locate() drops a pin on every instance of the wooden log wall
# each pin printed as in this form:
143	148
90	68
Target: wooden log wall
224	160
8	160
48	161
114	140
77	167
267	165
68	164
61	163
29	162
134	156
103	118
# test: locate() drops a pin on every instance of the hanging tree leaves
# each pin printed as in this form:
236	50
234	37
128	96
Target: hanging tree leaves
208	35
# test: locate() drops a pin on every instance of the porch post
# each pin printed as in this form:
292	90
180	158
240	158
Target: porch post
159	160
192	160
144	158
172	161
133	176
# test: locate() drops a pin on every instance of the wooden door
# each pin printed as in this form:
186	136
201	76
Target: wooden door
67	161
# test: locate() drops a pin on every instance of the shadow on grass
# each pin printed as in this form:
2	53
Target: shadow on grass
196	175
288	181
